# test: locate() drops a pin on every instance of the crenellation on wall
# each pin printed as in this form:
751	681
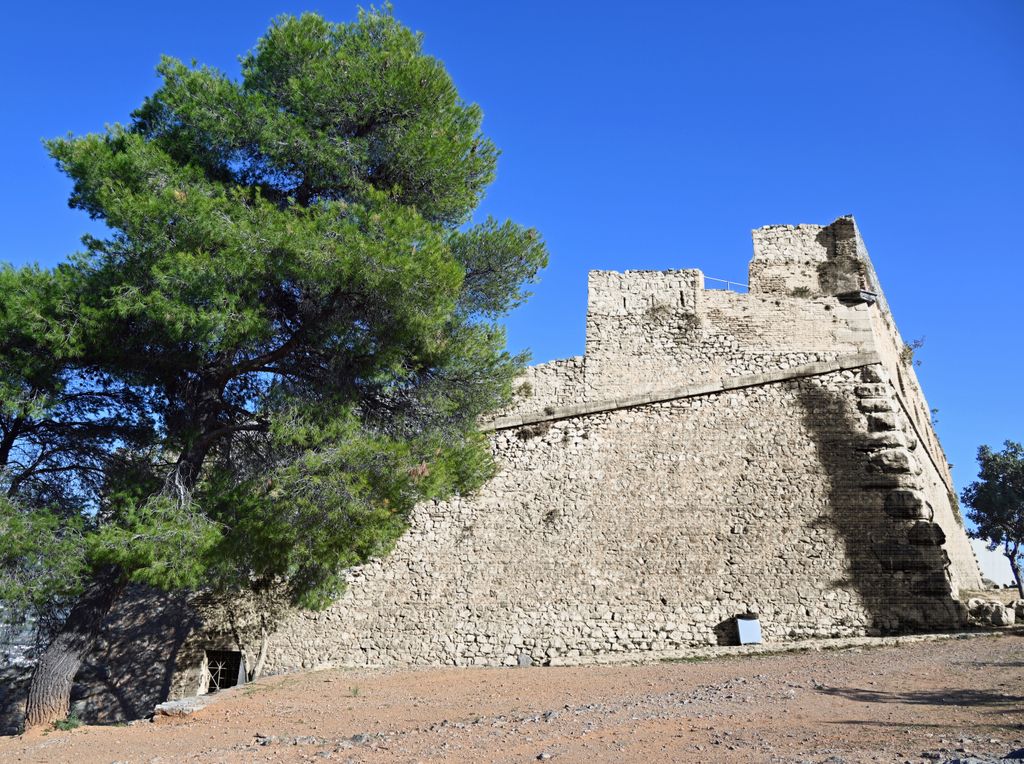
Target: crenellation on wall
641	338
786	259
611	293
811	260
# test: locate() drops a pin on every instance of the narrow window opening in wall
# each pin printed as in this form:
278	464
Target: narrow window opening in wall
682	299
224	668
623	303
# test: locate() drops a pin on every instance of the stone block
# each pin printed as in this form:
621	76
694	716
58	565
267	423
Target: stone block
905	504
894	460
1002	616
924	533
889	439
876	404
872	391
872	374
881	421
900	555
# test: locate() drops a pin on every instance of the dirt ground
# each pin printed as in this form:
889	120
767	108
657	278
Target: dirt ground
928	701
1007	595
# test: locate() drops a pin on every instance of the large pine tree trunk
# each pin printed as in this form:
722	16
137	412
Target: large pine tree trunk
49	695
1016	574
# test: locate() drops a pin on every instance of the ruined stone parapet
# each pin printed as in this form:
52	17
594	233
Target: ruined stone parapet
631	348
813	260
649	329
546	385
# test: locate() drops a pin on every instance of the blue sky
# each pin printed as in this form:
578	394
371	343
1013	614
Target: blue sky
652	138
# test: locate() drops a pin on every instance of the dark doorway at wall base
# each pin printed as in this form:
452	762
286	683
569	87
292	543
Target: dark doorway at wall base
223	668
727	634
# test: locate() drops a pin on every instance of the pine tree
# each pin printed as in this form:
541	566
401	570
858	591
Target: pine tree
292	317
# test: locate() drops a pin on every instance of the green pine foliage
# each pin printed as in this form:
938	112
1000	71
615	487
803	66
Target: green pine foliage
288	336
42	558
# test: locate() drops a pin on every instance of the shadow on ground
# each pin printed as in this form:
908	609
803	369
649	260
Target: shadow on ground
983	698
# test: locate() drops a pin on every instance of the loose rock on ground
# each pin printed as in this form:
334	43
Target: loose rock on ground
954	700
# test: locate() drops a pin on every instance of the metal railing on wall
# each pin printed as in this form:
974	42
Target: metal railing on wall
733	286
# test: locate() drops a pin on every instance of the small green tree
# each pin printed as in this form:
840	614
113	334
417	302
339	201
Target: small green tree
293	302
996	503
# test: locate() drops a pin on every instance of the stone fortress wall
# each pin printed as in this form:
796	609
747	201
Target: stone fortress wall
835	260
711	454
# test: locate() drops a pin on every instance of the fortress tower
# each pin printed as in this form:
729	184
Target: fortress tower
713	453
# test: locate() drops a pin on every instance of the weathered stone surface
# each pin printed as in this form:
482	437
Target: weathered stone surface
890	439
1002	616
876	404
993	612
894	459
906	504
689	539
882	421
872	392
184	706
873	374
925	533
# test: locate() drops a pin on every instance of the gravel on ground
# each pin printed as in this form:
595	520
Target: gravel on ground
943	701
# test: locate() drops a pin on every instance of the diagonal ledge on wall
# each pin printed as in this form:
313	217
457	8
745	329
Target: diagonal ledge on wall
817	368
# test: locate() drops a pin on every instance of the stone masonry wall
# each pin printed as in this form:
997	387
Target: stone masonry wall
649	528
810	259
824	262
899	365
650	339
827	261
556	383
933	482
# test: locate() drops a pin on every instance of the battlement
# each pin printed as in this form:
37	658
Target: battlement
813	261
614	293
651	329
814	297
